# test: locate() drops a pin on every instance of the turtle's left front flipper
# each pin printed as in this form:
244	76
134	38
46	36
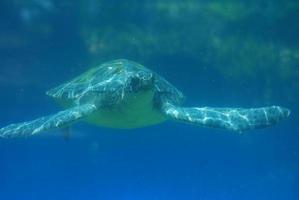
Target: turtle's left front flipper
235	119
58	120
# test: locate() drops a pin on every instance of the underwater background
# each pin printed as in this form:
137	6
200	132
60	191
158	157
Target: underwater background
219	53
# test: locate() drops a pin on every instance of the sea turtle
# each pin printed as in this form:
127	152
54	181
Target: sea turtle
124	94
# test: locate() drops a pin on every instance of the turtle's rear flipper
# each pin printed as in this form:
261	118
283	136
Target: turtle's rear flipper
235	119
58	120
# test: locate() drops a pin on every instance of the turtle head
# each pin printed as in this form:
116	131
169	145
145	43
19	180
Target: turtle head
142	80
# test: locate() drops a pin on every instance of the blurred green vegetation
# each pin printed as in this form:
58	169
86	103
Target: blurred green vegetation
242	40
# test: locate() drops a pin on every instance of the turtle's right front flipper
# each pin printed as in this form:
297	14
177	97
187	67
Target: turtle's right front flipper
58	120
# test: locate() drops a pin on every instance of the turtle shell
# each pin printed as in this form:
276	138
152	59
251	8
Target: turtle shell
113	76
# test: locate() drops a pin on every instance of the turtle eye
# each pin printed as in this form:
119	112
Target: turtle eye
144	75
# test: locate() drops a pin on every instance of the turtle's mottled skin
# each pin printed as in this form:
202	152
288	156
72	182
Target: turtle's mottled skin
125	94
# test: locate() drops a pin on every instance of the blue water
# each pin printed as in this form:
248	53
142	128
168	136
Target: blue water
42	45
